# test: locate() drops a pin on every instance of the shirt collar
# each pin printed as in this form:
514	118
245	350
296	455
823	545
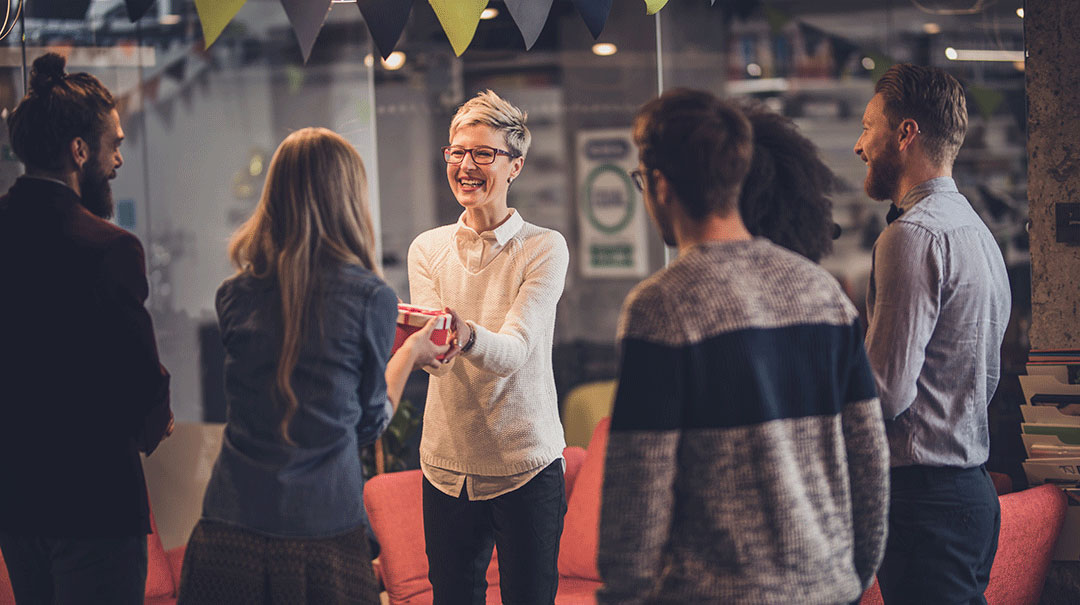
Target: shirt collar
916	194
502	234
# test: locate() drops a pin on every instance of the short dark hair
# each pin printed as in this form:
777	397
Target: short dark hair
700	143
58	108
786	193
931	97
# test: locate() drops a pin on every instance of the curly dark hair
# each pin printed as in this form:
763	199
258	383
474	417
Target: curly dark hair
58	108
785	196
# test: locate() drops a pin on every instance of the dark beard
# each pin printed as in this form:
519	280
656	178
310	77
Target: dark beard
96	192
882	178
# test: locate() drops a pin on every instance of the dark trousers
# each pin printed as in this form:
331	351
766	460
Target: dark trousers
943	535
63	571
525	524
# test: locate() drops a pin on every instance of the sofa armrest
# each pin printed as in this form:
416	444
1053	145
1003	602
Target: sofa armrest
575	457
176	562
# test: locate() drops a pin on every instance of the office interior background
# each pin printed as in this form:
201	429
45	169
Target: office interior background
201	125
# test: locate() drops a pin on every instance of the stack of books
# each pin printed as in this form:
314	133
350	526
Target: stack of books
1051	433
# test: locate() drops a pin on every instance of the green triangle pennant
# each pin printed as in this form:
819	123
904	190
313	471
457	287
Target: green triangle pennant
215	15
652	6
459	19
987	100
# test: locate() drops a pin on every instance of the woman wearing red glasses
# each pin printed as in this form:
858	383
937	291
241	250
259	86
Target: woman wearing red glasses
491	451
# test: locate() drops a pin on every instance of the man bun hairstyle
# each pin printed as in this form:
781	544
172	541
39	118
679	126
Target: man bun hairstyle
701	144
58	108
931	97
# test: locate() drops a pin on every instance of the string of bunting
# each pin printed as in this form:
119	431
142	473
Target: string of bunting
386	19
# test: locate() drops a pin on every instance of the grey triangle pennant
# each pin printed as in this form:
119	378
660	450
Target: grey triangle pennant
307	18
530	16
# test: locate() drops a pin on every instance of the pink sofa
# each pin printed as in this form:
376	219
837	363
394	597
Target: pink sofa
162	573
1030	523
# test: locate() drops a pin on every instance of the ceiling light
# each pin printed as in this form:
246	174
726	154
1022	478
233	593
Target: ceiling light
369	60
753	69
931	28
169	19
489	13
1011	56
395	61
604	49
868	63
1020	12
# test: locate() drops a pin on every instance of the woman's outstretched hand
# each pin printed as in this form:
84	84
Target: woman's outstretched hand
421	349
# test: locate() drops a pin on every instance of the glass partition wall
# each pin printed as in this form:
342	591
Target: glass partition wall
202	124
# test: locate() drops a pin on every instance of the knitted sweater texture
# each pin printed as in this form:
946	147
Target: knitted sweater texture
493	410
747	461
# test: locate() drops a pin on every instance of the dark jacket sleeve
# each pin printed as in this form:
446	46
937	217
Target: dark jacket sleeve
143	383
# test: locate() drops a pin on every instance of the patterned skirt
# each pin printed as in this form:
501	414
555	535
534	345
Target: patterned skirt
229	565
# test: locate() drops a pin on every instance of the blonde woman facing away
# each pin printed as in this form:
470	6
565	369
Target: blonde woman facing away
491	450
307	325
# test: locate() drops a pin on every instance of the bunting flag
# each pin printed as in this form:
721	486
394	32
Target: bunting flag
530	16
307	18
137	8
776	19
459	19
386	20
652	6
215	15
987	100
176	69
595	14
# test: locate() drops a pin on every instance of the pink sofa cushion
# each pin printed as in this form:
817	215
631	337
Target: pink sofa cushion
6	596
159	577
1030	523
581	529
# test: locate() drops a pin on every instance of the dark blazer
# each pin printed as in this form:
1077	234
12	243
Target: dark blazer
81	387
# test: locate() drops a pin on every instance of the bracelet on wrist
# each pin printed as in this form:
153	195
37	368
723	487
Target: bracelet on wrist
472	339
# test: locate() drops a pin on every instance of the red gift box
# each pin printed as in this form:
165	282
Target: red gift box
412	318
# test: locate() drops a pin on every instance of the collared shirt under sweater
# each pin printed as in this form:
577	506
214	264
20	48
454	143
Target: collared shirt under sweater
491	422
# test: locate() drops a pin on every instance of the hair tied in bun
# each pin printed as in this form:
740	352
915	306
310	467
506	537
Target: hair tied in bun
48	70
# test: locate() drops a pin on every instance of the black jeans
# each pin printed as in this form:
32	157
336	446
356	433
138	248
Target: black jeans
525	524
943	535
65	571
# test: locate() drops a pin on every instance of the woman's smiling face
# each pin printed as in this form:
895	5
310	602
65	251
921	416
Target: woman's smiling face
478	186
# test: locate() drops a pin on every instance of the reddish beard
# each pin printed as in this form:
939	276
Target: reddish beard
883	174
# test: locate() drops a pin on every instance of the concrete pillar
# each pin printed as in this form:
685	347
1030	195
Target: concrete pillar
1052	38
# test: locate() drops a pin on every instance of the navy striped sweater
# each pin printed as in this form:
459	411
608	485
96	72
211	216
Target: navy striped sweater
747	461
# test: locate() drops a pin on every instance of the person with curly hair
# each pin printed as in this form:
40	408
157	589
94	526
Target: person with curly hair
785	197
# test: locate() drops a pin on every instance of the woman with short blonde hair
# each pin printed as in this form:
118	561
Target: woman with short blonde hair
491	450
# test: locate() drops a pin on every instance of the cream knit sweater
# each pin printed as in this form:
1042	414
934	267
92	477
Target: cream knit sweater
493	411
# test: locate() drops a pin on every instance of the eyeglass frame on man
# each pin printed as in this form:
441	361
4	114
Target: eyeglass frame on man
469	150
637	177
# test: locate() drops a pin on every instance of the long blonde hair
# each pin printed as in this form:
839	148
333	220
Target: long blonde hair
313	209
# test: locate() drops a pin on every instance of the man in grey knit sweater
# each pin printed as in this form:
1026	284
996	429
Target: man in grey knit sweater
747	461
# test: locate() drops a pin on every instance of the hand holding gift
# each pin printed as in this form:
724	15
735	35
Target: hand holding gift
412	319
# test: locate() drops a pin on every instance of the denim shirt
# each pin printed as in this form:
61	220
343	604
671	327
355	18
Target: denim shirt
938	304
314	488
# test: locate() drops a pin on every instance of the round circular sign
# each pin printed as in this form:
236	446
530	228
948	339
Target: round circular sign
609	198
